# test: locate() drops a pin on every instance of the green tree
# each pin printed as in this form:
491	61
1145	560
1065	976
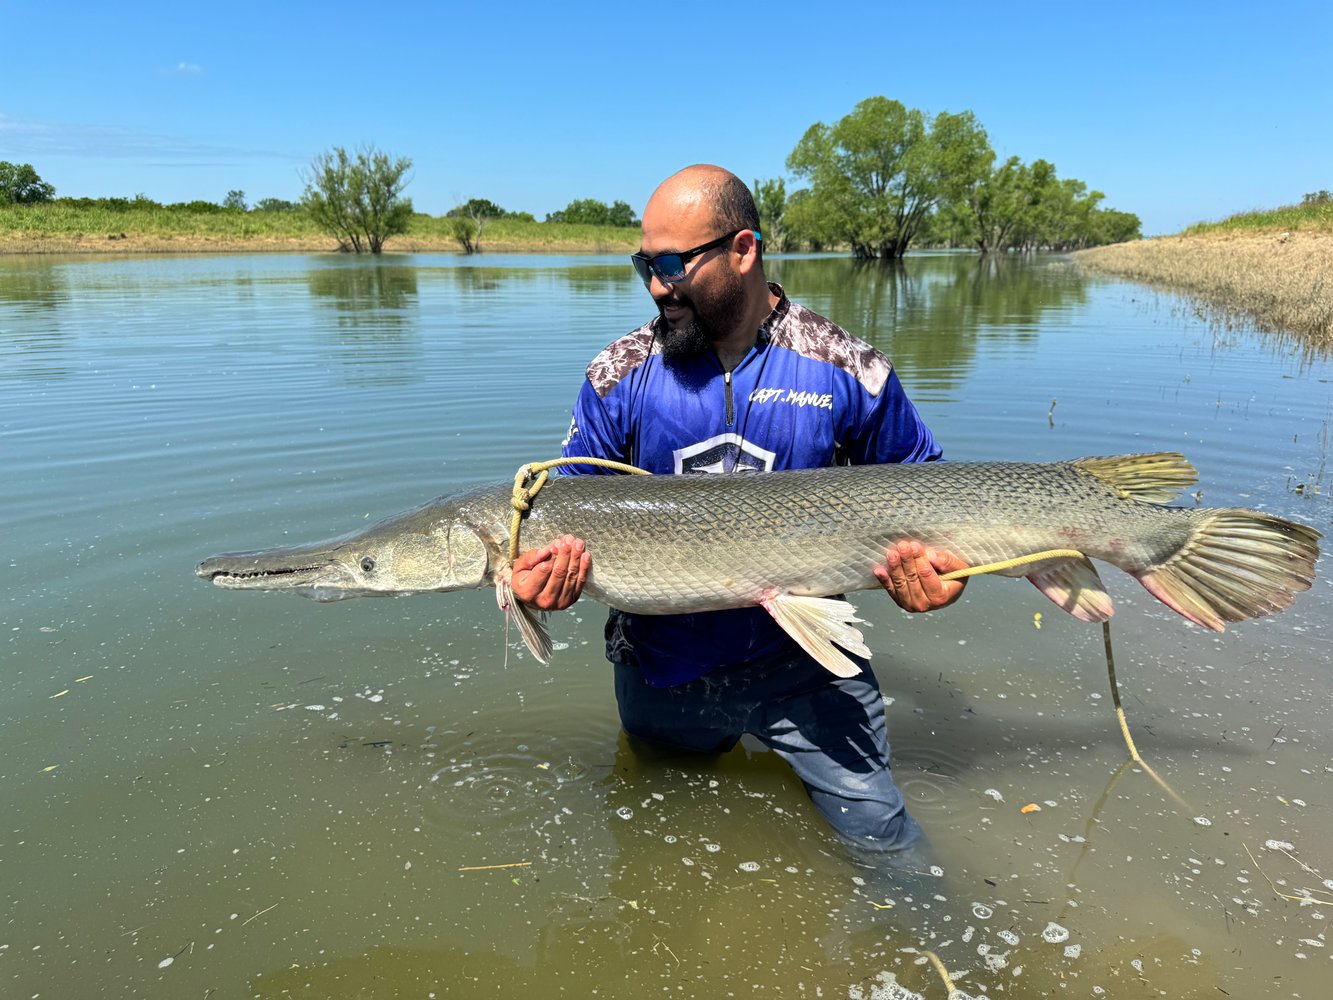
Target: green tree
235	199
992	209
770	198
477	206
591	212
358	200
20	185
878	172
466	231
276	205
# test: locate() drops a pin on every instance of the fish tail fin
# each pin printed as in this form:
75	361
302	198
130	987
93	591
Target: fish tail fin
1155	477
1238	564
531	624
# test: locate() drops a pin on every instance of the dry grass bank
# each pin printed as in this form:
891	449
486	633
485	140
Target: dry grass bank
1282	281
142	242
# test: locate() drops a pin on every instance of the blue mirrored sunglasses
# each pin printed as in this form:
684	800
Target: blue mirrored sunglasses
670	267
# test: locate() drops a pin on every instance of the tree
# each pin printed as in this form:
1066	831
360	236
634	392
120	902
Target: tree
235	199
276	205
877	173
474	207
591	212
770	198
20	185
358	200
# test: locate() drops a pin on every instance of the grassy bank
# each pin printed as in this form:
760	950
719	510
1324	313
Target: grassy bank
1312	216
1274	269
57	228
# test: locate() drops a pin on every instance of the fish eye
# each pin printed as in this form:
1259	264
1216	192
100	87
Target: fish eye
367	564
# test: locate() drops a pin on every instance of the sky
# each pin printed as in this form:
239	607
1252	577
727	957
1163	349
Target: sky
1178	112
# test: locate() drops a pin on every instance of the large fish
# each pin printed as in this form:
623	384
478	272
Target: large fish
791	541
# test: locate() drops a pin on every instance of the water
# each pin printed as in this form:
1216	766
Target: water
235	795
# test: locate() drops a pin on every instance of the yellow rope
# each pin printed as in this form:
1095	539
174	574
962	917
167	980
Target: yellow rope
532	477
1124	723
1004	564
939	968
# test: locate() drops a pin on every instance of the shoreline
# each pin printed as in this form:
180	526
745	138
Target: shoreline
1279	280
154	243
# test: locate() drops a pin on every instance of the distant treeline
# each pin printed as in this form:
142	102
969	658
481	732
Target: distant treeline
142	202
886	177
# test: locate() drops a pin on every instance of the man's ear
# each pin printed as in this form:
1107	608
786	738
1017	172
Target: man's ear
746	246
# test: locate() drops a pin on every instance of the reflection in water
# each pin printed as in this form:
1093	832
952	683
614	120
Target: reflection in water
930	312
599	279
376	333
32	343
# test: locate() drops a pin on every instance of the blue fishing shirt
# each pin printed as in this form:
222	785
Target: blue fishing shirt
808	395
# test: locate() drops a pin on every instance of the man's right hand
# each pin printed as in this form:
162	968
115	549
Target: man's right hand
551	578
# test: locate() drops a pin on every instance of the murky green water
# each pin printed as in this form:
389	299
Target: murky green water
210	794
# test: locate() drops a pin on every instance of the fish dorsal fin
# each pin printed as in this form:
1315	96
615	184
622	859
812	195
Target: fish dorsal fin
531	624
1075	586
819	625
1152	478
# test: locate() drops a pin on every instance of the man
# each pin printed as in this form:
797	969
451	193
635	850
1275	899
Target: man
733	377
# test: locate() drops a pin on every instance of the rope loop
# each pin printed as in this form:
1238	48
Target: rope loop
530	478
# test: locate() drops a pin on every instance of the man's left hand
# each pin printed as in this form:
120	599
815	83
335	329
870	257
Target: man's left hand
911	575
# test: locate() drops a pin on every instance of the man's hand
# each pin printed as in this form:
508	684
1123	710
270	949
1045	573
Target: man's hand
551	578
911	574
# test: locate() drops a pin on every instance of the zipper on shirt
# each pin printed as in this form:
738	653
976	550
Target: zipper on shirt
731	407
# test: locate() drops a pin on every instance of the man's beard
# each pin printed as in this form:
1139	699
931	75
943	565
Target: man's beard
712	321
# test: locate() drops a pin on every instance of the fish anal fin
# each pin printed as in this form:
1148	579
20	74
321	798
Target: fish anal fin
1075	586
531	624
819	625
1152	478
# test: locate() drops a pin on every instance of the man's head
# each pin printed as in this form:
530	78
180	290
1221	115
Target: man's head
723	293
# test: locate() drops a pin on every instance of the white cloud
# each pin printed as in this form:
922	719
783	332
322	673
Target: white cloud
187	69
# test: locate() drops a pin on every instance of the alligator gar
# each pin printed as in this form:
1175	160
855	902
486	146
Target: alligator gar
795	542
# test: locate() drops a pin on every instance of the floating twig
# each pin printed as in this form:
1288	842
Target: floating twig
1307	898
259	914
482	868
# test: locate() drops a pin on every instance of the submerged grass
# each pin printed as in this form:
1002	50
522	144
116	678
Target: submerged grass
62	228
1277	275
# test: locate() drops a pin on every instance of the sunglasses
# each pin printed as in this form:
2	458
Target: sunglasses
670	267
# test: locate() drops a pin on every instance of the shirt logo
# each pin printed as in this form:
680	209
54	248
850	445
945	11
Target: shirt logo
820	400
723	453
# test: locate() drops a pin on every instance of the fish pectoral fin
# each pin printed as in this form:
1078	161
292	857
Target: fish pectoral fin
531	623
819	625
1075	586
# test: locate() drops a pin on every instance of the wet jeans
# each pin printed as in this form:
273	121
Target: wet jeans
831	730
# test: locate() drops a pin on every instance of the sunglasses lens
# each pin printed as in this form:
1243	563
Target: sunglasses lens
642	268
669	267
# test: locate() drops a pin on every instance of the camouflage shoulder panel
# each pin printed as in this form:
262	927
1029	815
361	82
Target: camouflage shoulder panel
809	334
617	360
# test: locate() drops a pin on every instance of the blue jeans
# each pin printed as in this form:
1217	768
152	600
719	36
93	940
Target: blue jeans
831	730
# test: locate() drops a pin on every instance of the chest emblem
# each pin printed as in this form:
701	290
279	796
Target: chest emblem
723	453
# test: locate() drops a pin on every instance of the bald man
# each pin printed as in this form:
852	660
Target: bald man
732	377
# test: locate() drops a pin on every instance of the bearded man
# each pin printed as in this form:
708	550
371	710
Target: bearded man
732	377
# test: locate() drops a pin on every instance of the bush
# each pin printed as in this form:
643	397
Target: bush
358	201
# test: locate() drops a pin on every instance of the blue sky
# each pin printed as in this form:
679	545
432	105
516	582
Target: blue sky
1178	112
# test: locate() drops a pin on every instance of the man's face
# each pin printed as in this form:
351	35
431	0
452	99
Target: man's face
709	302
